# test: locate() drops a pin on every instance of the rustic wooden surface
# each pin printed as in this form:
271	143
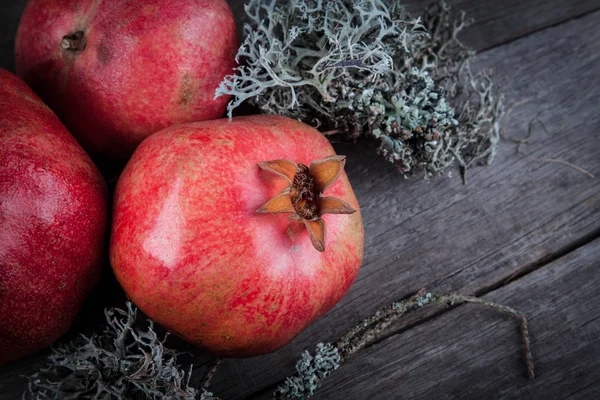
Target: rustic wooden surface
474	353
523	232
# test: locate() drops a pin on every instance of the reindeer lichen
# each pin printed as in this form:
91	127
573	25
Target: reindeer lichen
311	370
122	363
127	362
354	68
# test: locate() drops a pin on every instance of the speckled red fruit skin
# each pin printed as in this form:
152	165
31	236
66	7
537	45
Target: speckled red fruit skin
53	217
147	65
190	250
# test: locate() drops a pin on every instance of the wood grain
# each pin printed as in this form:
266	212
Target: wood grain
448	237
510	217
476	353
497	22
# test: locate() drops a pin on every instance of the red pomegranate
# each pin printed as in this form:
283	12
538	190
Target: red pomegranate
236	235
118	71
53	216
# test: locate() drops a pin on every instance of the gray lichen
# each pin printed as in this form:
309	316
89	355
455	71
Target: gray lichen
355	68
123	362
206	395
424	299
310	371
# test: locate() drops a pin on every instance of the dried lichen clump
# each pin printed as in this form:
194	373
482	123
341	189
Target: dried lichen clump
123	362
310	371
355	68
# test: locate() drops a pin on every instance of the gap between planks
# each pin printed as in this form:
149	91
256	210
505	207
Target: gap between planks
521	272
472	353
537	30
532	266
436	313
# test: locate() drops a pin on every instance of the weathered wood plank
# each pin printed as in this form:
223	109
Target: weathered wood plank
498	22
12	377
445	236
472	352
440	234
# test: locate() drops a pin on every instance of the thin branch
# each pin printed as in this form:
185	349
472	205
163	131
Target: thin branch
527	346
454	299
568	164
510	110
332	132
363	334
311	370
525	139
211	369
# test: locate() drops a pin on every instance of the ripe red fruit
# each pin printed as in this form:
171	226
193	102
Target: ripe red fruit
199	246
118	71
53	220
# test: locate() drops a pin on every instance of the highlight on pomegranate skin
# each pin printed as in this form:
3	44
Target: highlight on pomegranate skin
236	235
53	222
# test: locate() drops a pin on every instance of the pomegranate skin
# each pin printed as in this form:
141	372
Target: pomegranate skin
53	220
136	67
190	250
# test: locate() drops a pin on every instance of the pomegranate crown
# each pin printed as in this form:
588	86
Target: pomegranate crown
303	198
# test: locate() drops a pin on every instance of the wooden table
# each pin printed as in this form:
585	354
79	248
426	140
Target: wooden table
524	232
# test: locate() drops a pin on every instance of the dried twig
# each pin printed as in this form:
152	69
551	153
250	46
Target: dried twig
454	299
568	164
526	138
363	334
510	110
332	132
211	369
311	371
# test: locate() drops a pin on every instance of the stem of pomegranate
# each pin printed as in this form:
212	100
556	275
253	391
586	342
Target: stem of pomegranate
74	42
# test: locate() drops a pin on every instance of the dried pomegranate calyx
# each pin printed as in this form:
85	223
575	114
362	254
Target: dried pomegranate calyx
302	198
